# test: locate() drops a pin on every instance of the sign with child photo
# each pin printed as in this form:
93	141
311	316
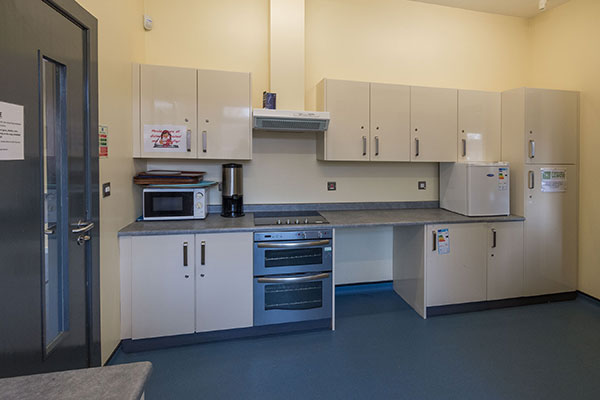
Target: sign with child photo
165	138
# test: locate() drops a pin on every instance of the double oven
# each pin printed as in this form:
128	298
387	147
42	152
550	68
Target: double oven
292	276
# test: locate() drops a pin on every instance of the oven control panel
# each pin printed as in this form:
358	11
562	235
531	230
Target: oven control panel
293	235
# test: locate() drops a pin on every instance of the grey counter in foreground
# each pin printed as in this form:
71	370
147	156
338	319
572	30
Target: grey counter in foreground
118	382
214	223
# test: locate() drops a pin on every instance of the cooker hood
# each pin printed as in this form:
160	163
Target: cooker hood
289	121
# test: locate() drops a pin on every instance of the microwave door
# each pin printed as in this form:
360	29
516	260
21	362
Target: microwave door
160	205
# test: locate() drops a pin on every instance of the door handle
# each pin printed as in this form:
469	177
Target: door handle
292	245
532	149
189	140
376	145
464	147
364	139
204	141
294	278
83	227
416	147
493	238
203	253
50	229
434	240
185	254
530	180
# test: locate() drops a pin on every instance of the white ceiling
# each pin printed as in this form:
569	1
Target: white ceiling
517	8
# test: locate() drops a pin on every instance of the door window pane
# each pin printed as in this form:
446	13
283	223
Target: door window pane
55	293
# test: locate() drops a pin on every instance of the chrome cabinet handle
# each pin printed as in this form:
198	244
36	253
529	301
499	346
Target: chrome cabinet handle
532	149
189	140
203	253
493	238
530	180
376	145
294	279
364	139
185	254
434	241
464	147
204	140
292	245
83	227
416	147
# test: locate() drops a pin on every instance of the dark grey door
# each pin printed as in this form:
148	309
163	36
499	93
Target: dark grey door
49	208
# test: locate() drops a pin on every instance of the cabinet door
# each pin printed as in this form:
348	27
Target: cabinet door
455	264
168	103
224	115
551	126
505	260
162	285
479	125
550	233
433	121
224	281
347	138
390	122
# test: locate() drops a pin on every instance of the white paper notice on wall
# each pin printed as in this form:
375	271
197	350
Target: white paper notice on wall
11	131
554	180
443	241
166	138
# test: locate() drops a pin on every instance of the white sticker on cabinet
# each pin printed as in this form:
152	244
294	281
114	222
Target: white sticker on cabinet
554	180
502	179
11	131
166	138
443	239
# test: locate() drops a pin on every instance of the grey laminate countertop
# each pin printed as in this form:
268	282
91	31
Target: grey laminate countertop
214	223
118	382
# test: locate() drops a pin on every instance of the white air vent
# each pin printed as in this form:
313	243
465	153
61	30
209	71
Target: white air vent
290	121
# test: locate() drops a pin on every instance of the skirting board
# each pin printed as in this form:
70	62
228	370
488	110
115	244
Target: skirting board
131	346
495	304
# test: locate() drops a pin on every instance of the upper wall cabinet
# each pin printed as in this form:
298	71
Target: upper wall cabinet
189	113
433	120
347	138
369	121
479	126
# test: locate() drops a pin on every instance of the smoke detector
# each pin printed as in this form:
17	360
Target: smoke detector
542	5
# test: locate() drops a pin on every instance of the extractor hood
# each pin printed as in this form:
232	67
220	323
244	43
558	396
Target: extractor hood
289	121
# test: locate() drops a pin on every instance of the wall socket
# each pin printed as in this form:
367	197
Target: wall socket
422	185
330	185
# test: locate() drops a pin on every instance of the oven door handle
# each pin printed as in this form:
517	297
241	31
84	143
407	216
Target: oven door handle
295	279
270	245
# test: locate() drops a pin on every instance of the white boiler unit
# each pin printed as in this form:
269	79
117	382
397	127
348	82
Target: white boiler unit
475	189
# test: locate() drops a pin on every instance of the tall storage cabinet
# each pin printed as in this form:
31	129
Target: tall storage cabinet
540	137
207	113
479	126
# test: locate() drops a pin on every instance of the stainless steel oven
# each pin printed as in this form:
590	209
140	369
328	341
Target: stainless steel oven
292	276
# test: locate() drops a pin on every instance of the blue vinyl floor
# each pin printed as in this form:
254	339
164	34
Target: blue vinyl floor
382	349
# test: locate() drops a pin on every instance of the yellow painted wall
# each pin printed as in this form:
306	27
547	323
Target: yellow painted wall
120	42
564	54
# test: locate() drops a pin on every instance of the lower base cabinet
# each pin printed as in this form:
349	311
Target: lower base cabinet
467	263
224	281
181	284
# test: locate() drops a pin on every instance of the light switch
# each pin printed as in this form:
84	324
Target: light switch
106	189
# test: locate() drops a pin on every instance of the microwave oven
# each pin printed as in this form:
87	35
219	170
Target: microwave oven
173	204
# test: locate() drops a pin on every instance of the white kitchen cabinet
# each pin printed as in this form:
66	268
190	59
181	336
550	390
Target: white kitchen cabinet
162	285
208	113
455	263
167	97
389	122
504	260
551	230
433	121
224	115
224	281
479	126
347	138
